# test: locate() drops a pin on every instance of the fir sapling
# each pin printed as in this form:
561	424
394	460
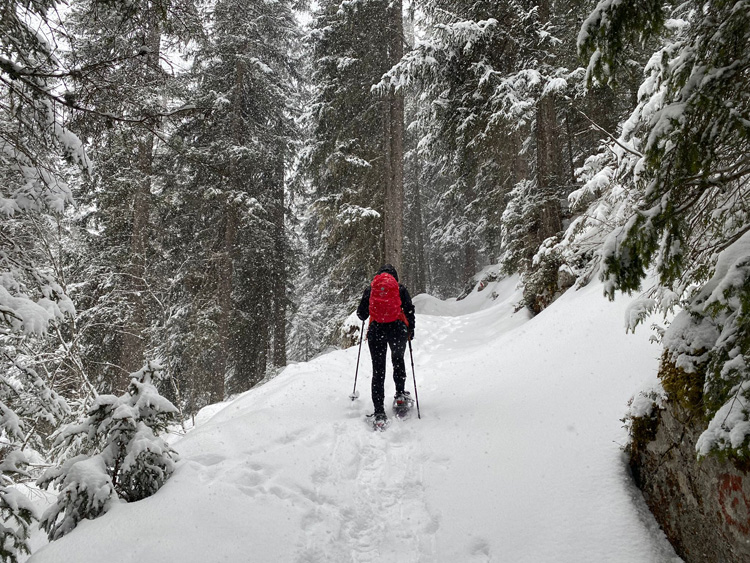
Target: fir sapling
124	456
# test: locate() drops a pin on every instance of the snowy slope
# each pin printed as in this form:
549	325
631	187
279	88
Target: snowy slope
517	456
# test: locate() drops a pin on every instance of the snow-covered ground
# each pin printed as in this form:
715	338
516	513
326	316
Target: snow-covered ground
517	456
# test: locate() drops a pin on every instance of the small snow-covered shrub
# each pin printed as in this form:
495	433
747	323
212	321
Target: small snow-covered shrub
547	278
125	457
540	284
17	515
642	417
520	227
483	279
86	491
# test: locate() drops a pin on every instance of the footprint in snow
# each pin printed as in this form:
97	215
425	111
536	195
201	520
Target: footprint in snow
207	460
480	549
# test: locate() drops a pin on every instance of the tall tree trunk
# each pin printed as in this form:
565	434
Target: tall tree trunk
520	167
420	282
470	261
225	273
571	165
394	109
225	270
279	274
470	245
387	175
133	344
548	156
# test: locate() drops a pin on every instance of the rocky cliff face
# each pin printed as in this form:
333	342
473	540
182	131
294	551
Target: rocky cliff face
702	506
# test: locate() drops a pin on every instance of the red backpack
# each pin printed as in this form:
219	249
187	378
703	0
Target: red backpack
385	300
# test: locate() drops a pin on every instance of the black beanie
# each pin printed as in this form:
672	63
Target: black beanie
388	269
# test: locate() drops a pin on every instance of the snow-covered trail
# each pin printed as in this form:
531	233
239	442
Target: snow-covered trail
517	456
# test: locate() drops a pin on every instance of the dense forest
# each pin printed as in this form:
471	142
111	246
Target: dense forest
195	192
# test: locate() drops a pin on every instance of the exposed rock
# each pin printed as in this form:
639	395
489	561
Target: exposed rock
566	278
349	336
702	506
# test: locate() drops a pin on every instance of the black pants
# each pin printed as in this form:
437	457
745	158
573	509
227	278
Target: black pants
379	337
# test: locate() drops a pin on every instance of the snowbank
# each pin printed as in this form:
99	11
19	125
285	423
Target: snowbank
483	296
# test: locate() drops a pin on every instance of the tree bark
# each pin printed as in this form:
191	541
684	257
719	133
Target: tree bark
133	344
470	248
548	157
548	167
225	263
393	210
132	348
279	274
225	271
420	282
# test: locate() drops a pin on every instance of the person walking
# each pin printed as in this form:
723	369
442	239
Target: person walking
388	305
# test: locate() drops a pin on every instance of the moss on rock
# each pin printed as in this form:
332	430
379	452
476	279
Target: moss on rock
682	387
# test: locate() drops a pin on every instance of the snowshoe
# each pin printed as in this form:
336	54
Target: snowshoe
379	421
402	404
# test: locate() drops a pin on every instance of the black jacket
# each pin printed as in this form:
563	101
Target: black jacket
363	311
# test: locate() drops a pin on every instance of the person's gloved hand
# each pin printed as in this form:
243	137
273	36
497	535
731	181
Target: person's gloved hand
410	334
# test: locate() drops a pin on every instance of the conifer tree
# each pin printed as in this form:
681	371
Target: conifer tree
35	142
485	68
127	101
684	171
350	157
508	123
227	185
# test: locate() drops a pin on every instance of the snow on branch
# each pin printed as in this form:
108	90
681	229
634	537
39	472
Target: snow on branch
349	214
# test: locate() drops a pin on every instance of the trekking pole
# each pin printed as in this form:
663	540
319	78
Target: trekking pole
354	394
414	376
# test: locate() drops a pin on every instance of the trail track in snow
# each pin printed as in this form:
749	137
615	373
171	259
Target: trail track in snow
369	498
370	493
366	499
